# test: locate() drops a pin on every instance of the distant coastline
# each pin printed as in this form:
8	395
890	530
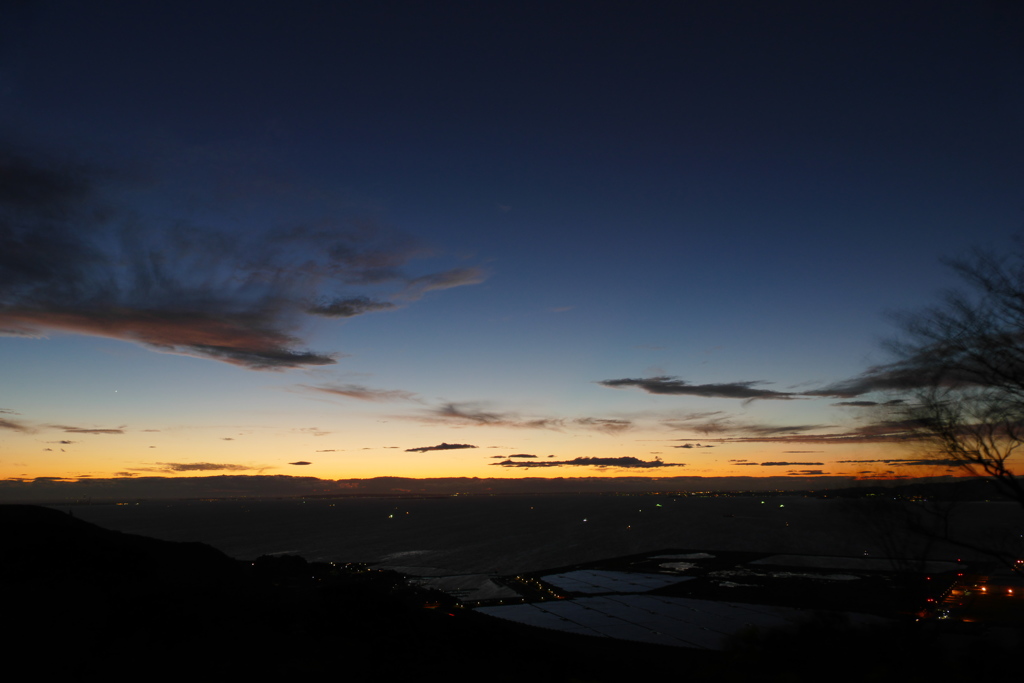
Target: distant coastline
52	490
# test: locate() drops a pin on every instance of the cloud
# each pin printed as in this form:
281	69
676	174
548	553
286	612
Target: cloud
791	464
913	374
348	307
729	425
362	393
456	277
87	430
678	387
768	430
624	461
604	425
245	338
301	462
896	377
439	447
716	426
472	414
72	262
198	467
912	462
517	455
13	426
887	431
469	414
312	430
706	415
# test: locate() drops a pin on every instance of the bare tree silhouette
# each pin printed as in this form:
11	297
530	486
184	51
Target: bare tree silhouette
966	356
961	366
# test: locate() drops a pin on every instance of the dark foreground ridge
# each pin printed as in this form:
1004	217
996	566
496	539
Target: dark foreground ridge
84	600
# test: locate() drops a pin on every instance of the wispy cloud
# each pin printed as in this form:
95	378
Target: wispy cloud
439	447
895	377
892	431
197	467
776	430
348	307
623	462
71	262
910	462
603	424
473	414
363	393
312	430
677	387
14	426
87	430
731	425
456	277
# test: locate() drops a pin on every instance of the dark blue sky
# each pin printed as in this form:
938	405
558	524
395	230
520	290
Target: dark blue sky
484	209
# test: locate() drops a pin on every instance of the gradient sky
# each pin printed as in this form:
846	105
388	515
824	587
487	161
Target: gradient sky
338	239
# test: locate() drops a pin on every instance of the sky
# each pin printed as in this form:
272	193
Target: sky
459	239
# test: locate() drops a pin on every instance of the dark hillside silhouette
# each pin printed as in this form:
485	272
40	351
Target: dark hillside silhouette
85	600
43	544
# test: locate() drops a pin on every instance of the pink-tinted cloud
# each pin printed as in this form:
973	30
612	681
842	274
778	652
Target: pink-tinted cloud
456	277
68	263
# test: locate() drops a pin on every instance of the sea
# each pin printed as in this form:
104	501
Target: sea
505	535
